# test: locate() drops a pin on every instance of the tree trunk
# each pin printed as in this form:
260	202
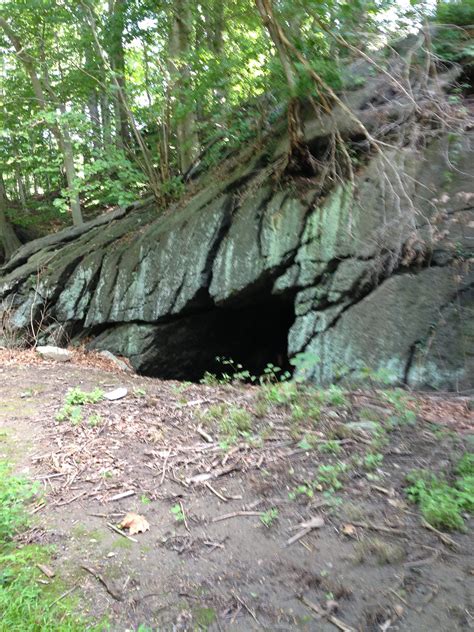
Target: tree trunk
117	62
179	49
42	88
8	238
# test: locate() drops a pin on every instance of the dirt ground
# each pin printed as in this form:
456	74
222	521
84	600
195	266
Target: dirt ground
227	547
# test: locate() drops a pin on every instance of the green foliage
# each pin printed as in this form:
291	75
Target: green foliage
78	397
400	401
177	512
459	12
233	422
329	476
269	517
373	461
71	411
26	605
442	503
14	493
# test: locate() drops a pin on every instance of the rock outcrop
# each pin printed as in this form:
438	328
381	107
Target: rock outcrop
375	272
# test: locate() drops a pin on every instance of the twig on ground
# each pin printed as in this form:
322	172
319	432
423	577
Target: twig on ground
117	530
112	592
200	430
216	493
165	463
63	595
445	539
382	528
236	514
130	492
330	617
314	523
249	610
186	526
71	500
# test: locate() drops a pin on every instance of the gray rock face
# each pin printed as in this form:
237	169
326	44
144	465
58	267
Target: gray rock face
373	274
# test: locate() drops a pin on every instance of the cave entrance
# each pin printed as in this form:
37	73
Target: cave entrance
253	335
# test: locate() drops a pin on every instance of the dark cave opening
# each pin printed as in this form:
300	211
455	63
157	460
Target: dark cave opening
252	335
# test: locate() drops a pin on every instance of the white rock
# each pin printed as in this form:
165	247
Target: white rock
54	353
118	393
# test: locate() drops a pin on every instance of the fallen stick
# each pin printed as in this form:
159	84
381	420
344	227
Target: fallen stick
379	527
165	462
71	500
445	539
205	476
204	434
124	535
330	617
184	517
130	492
112	592
249	610
236	514
314	523
215	492
64	594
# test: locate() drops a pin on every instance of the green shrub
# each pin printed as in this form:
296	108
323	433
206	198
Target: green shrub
442	504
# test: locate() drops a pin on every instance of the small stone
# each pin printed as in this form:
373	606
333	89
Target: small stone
54	353
118	393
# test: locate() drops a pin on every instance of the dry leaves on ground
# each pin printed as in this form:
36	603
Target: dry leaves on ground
134	523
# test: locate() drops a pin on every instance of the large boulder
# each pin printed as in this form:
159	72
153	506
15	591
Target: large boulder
370	272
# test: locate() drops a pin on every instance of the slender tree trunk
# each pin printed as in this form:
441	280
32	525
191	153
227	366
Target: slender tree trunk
21	187
179	49
42	88
93	107
117	61
105	118
8	238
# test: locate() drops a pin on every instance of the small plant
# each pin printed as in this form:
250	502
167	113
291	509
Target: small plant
95	420
233	421
442	504
71	411
329	476
302	490
329	447
269	517
272	373
373	461
304	364
281	394
177	512
76	397
400	402
305	444
334	396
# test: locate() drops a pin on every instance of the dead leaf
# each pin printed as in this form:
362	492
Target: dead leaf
134	523
349	529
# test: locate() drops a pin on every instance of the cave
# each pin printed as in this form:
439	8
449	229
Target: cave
252	335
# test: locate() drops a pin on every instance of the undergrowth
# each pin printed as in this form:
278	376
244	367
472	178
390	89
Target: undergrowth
25	604
442	503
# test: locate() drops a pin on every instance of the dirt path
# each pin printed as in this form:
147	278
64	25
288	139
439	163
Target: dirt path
204	564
